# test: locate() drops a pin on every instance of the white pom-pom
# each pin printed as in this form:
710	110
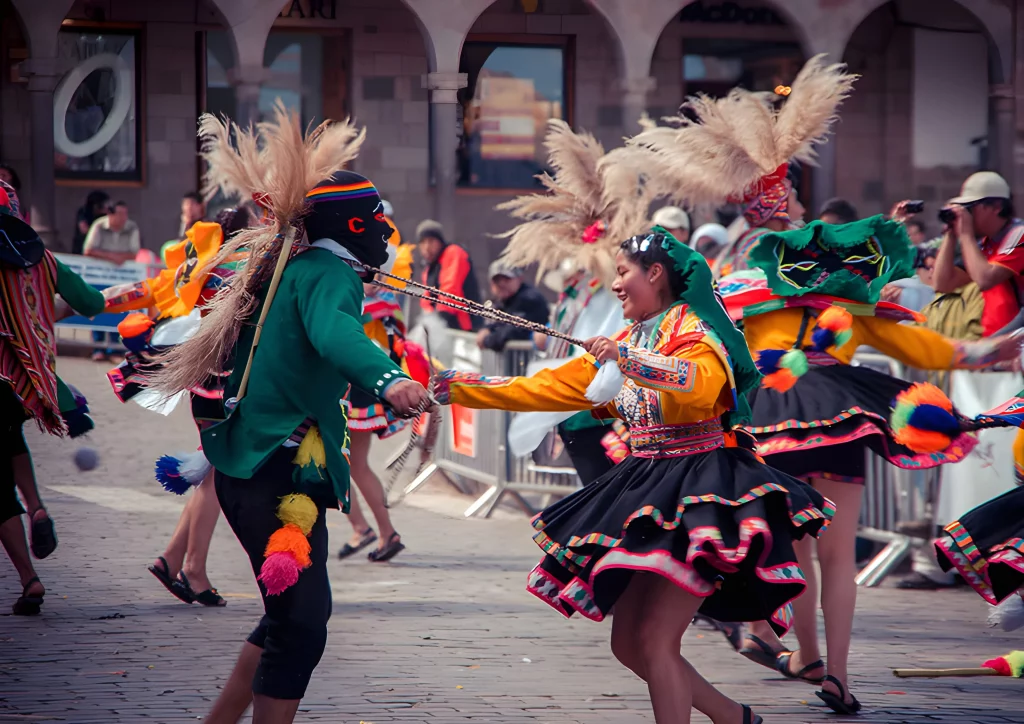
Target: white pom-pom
1008	615
605	385
194	467
528	430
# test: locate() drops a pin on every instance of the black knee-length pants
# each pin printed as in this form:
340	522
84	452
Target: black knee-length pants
293	631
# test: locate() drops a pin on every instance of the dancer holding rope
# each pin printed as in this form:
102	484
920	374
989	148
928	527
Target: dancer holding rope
289	329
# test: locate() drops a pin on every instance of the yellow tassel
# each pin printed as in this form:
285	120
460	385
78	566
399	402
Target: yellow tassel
311	450
299	510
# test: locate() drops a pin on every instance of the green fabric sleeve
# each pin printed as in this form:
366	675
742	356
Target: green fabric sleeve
331	312
84	299
583	421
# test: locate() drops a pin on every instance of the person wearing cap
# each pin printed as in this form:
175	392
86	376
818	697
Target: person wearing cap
403	252
30	280
709	240
674	220
448	268
514	296
989	240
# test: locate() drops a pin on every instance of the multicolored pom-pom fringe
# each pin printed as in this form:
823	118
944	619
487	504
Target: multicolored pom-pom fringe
178	474
781	368
288	550
136	331
1011	664
923	419
834	328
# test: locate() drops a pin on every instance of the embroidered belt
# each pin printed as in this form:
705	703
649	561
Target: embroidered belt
821	359
672	441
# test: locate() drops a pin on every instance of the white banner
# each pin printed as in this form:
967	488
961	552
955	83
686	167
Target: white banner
101	275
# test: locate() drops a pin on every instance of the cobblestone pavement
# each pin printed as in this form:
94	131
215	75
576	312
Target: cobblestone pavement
446	633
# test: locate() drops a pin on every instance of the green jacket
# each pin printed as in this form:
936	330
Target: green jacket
87	301
313	345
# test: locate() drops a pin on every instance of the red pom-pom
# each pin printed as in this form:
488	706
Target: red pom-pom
1000	664
279	572
780	381
835	319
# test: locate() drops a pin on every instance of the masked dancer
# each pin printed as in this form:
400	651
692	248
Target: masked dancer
288	327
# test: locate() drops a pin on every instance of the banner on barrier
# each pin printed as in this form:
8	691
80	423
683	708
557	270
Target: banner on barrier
101	275
463	439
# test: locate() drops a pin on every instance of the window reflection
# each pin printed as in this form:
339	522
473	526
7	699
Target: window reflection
512	92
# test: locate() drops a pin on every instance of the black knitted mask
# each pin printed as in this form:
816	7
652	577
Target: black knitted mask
348	209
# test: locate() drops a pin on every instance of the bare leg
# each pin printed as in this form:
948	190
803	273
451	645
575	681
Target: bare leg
764	631
177	547
360	525
236	695
12	536
273	711
805	610
836	553
25	479
203	521
369	485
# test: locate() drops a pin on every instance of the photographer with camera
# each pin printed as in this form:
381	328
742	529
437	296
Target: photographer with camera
979	223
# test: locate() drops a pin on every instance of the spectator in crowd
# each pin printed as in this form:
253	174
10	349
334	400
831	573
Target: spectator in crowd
404	261
97	203
837	211
709	240
989	239
113	238
917	291
448	268
514	296
917	232
673	220
193	209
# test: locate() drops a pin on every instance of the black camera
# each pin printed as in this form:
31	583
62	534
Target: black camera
947	216
913	207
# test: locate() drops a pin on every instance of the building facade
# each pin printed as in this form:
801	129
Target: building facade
104	94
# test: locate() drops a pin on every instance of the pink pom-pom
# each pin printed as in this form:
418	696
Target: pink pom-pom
279	572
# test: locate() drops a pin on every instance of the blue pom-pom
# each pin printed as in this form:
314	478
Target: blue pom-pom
768	360
78	422
822	339
139	343
168	475
932	418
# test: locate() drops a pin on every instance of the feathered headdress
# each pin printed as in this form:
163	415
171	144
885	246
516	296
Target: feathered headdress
583	216
733	147
277	165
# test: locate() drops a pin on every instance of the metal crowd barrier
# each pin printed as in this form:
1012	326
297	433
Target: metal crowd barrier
472	443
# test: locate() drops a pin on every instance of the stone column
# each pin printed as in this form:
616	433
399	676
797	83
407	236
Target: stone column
247	80
1001	133
634	101
823	185
43	75
444	129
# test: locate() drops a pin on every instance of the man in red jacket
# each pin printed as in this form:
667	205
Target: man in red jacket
448	268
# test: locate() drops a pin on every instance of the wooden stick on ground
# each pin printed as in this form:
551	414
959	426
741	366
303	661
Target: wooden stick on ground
937	673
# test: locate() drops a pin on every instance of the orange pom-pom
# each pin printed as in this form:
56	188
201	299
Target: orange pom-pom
923	441
290	539
780	381
924	393
134	325
835	319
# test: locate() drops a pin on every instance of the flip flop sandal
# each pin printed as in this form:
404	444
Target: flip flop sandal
209	597
782	665
348	549
44	537
750	717
28	605
392	549
764	654
170	584
838	703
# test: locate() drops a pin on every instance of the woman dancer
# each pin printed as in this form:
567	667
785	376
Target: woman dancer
693	520
30	279
187	285
574	228
814	301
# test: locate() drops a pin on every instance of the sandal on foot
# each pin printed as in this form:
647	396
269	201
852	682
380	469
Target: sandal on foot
782	666
733	633
164	576
750	717
838	703
44	537
764	654
29	605
392	549
209	597
348	549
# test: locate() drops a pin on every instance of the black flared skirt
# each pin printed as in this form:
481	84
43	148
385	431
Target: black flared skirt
718	524
824	425
986	546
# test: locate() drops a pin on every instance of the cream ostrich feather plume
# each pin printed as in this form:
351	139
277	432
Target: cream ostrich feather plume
735	141
279	164
578	196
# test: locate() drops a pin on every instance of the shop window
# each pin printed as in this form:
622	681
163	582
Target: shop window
513	89
717	65
97	131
